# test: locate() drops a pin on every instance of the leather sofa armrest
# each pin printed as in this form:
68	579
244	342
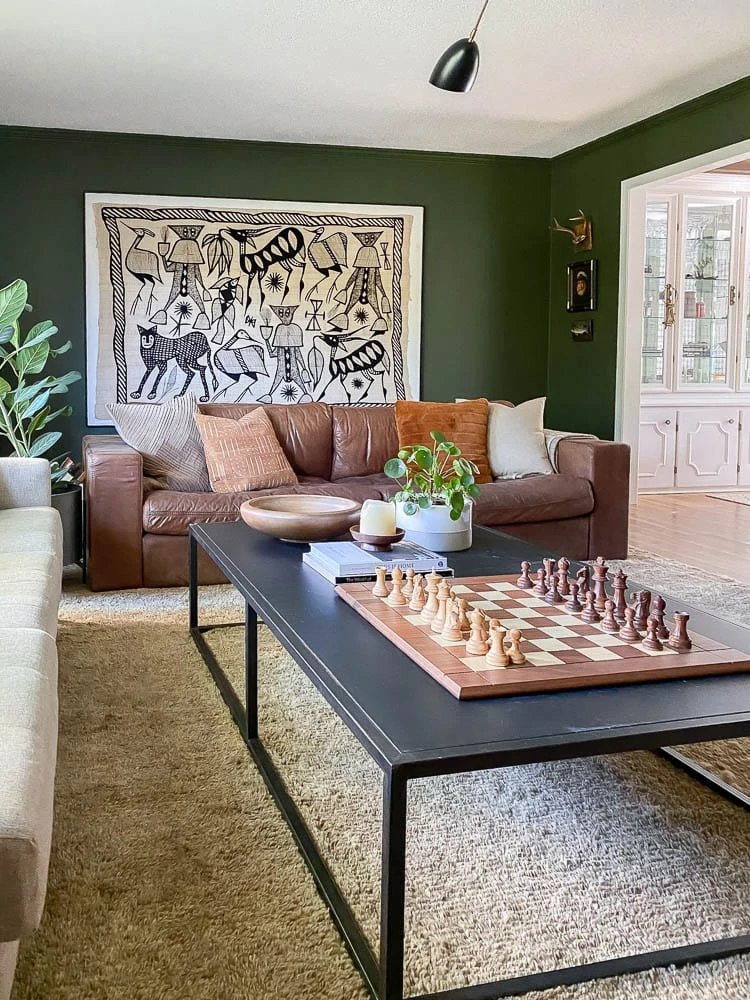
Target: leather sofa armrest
114	513
606	465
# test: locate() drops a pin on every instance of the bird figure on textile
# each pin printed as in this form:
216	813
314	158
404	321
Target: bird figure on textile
241	359
327	256
143	265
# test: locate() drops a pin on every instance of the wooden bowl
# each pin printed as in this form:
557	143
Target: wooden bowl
376	543
300	517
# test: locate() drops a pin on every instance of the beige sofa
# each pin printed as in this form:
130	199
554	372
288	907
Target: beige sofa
30	579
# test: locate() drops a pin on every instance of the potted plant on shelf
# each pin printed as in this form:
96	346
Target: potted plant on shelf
436	493
27	405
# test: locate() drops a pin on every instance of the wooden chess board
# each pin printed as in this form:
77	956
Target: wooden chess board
562	650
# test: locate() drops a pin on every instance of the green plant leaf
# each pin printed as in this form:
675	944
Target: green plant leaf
13	300
40	332
44	443
6	334
423	458
473	491
438	481
4	388
424	502
36	404
467	479
438	437
410	507
394	468
62	349
457	502
61	384
26	392
31	360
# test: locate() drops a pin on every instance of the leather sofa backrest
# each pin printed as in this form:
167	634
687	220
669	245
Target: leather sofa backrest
364	438
303	430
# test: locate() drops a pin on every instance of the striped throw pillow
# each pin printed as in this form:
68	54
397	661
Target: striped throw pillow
166	436
244	454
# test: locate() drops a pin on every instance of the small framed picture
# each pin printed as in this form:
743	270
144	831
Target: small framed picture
582	286
582	330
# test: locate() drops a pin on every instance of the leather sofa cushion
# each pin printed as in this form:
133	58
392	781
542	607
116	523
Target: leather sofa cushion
166	512
364	438
534	499
303	431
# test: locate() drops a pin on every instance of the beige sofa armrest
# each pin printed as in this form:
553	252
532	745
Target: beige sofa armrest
606	465
24	482
114	513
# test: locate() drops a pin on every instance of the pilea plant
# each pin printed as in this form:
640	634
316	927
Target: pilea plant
433	476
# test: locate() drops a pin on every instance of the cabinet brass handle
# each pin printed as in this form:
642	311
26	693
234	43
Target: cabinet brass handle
732	294
670	294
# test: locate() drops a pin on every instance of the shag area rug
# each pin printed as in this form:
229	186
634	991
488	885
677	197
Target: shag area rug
174	878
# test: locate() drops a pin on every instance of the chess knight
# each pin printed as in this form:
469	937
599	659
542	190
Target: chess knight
286	347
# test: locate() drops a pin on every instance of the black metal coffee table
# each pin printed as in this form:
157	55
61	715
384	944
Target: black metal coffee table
412	728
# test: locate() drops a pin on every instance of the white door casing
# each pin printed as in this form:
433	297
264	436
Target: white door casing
707	447
656	448
743	462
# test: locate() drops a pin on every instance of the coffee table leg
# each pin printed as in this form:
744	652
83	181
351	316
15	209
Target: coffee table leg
193	581
251	672
393	878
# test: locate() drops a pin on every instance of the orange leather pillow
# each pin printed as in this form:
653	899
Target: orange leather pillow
465	424
243	454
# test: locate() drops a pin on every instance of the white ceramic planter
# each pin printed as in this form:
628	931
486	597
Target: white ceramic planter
434	529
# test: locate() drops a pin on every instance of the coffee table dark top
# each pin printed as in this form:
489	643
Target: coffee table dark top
404	718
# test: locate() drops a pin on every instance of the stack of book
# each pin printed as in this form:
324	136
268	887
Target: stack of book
347	562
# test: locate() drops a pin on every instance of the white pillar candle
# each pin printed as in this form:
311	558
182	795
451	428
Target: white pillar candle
377	517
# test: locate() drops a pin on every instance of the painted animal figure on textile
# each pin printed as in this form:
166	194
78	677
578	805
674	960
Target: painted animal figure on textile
223	310
286	248
363	363
183	259
144	266
241	359
327	256
157	351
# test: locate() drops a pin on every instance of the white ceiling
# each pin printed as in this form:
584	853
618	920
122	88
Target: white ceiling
553	74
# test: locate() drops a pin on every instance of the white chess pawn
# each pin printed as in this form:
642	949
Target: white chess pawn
516	654
463	622
477	644
396	597
408	588
380	589
418	598
497	657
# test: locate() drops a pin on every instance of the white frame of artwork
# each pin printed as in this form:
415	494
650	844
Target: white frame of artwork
412	354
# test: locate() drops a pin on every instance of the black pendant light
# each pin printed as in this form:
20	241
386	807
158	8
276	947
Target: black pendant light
457	67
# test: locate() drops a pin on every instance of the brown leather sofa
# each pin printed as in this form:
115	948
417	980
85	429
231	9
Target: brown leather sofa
138	537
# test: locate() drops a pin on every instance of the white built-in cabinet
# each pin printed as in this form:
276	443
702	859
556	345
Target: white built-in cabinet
695	360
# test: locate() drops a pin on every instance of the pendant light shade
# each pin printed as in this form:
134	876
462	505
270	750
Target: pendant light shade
457	67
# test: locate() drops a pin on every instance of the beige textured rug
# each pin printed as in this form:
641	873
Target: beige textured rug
743	498
174	878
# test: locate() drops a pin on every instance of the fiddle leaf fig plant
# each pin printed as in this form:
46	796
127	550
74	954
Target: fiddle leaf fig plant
27	406
435	475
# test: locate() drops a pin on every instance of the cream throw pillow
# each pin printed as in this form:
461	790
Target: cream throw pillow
244	454
515	440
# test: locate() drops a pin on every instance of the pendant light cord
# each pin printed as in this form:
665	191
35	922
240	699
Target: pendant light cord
479	19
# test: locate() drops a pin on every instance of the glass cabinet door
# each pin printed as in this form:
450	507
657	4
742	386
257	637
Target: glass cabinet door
704	325
655	345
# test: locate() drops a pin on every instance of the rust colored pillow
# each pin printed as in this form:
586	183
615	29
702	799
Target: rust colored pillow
243	454
465	424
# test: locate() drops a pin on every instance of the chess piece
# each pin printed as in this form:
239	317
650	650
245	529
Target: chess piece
573	603
652	640
524	580
418	598
497	657
552	596
619	583
590	615
628	631
409	585
477	644
431	605
660	606
516	654
443	596
679	639
609	622
396	597
540	587
582	576
380	589
563	572
549	570
600	583
642	605
463	621
451	631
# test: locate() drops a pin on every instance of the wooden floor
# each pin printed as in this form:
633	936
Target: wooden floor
695	529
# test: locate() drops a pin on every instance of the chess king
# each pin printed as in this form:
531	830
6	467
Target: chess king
286	347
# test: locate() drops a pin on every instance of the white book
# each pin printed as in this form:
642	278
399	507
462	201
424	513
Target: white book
327	573
349	559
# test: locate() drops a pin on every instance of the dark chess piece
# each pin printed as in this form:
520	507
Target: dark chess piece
583	577
552	596
609	622
574	604
563	572
600	583
658	613
679	639
590	615
524	580
642	606
540	587
652	640
628	631
620	582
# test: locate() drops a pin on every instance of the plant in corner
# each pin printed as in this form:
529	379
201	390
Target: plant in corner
27	400
436	490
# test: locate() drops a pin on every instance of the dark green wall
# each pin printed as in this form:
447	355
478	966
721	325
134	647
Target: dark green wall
485	310
581	380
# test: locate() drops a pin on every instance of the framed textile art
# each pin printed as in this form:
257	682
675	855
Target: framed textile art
250	301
